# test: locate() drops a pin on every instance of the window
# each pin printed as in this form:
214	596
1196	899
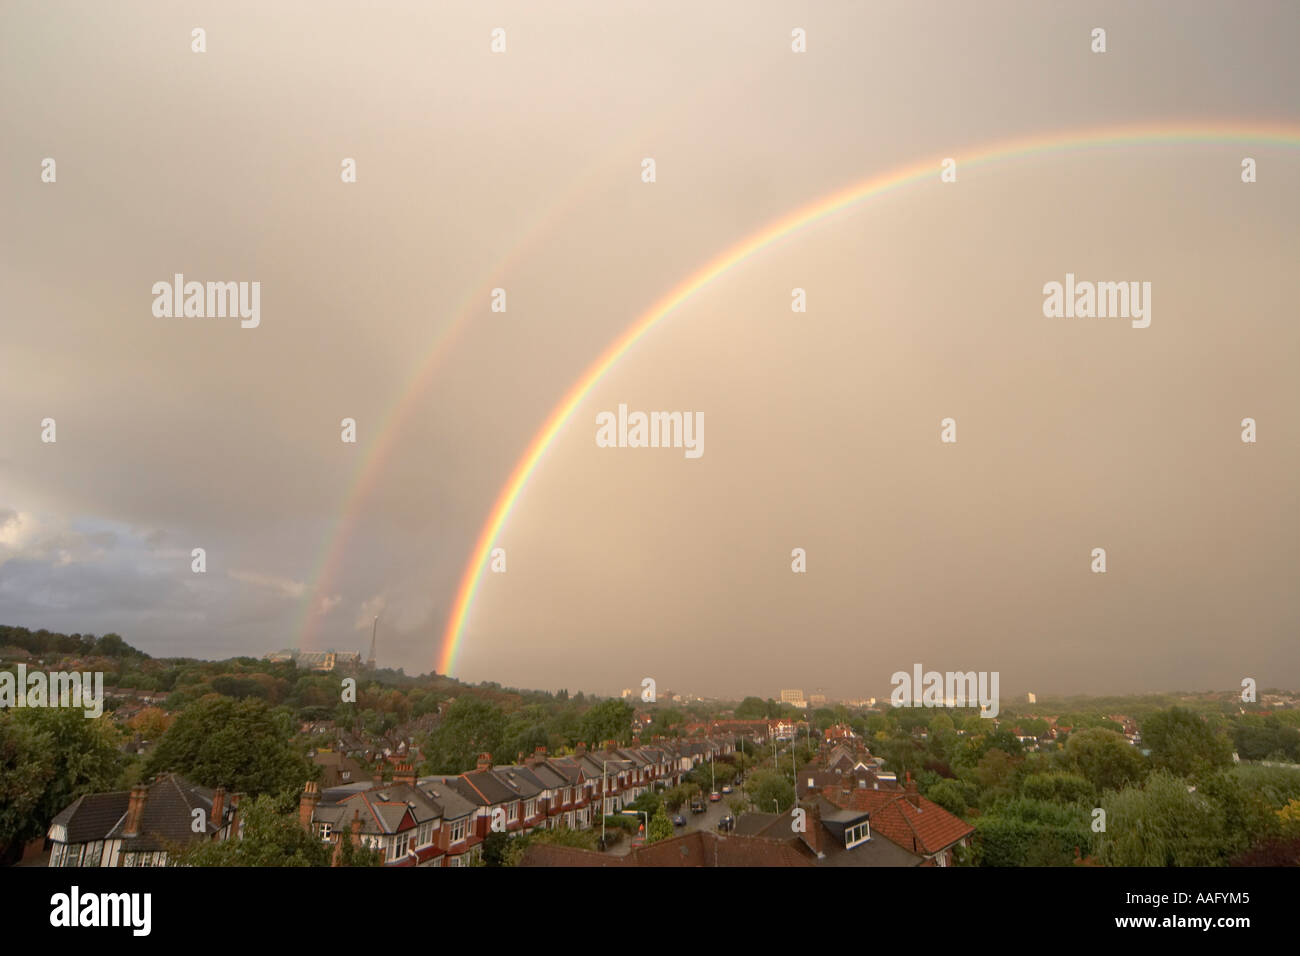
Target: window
857	834
513	813
530	809
458	833
400	843
426	834
568	795
325	832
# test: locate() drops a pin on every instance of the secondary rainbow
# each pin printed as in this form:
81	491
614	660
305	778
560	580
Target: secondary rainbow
1169	133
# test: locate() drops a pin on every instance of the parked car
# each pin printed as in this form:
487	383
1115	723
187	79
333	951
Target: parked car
679	821
727	824
697	805
714	797
727	788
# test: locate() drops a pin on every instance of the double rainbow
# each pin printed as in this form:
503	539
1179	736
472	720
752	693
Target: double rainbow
1167	134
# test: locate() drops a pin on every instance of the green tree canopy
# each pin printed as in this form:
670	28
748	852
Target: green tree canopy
1105	758
1184	744
49	756
242	745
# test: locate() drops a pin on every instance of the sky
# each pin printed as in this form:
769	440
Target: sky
522	170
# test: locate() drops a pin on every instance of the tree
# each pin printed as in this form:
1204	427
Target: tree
471	726
609	720
1184	744
241	745
1105	758
150	723
49	756
270	839
496	847
661	828
1025	832
1058	787
771	791
949	794
996	774
1161	824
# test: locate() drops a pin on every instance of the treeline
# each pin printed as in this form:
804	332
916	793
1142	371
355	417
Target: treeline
43	643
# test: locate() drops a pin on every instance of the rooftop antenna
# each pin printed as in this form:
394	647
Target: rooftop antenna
374	628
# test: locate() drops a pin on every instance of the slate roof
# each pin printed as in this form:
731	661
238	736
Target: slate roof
551	778
483	787
92	816
521	781
446	794
164	824
567	767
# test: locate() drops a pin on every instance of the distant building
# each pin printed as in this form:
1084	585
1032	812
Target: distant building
1032	698
817	700
794	696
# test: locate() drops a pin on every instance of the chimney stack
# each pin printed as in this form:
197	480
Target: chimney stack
913	794
235	823
484	762
135	809
218	806
405	773
814	834
307	804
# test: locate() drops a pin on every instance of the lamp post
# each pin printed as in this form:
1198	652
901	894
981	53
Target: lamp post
603	799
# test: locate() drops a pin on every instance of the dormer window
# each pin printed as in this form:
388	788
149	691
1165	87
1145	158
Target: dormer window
857	834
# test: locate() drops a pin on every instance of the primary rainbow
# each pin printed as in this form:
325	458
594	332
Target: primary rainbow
1164	134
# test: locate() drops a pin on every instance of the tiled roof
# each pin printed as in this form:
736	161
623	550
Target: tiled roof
925	830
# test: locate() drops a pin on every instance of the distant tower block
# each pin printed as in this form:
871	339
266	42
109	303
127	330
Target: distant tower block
374	633
1032	698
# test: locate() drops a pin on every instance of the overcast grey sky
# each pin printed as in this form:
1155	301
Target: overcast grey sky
522	170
